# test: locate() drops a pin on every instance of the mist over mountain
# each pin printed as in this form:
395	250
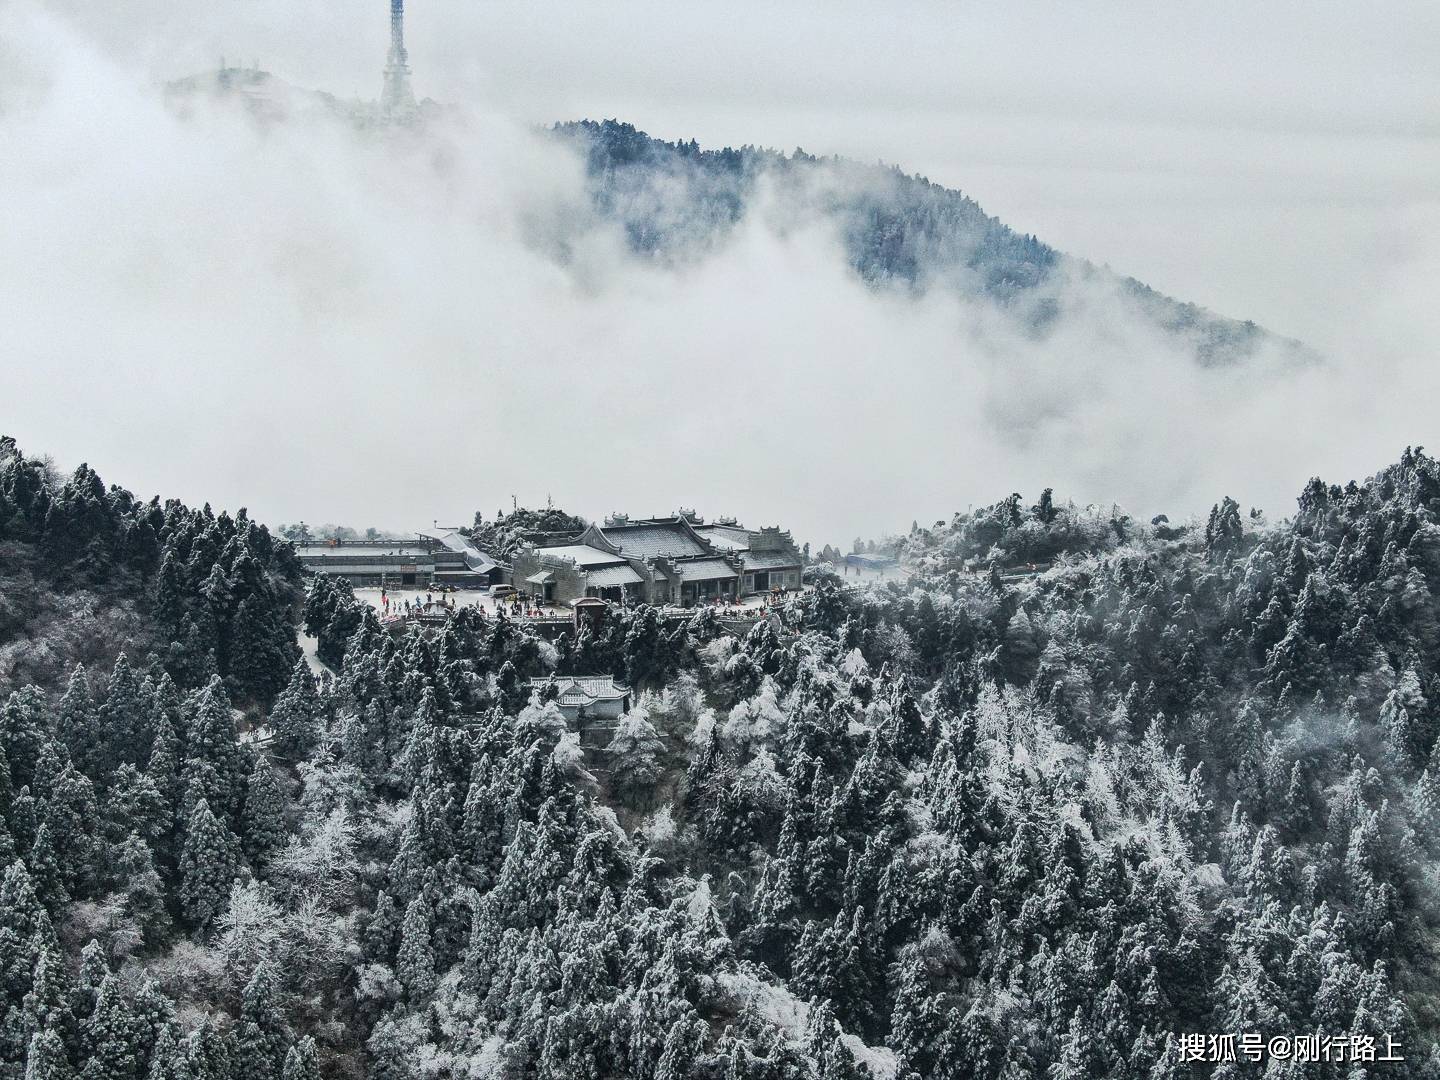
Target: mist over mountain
236	261
676	199
1074	784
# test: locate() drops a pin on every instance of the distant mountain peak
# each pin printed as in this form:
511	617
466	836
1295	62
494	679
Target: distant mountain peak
897	229
678	200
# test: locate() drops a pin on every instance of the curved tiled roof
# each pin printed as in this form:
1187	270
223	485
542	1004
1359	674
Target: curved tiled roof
705	570
584	689
605	576
648	541
769	560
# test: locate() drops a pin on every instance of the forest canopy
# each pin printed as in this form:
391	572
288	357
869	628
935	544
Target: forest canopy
1066	789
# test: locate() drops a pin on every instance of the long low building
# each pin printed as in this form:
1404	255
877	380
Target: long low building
436	558
768	556
676	560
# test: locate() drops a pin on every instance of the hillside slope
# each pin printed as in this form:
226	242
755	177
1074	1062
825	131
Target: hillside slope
88	573
675	198
978	826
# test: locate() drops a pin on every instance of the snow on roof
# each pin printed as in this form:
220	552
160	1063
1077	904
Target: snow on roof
453	539
598	685
542	578
583	554
705	570
584	689
644	541
607	576
726	537
457	541
769	560
320	549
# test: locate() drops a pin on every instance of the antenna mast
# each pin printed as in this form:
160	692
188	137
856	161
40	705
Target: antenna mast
397	101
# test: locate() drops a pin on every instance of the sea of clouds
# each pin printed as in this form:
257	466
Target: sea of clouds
389	329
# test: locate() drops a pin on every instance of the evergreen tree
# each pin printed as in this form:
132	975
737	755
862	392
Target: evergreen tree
415	961
263	822
295	715
208	1053
301	1061
46	1059
125	723
47	1005
209	862
113	1038
77	721
261	650
633	754
261	1041
45	872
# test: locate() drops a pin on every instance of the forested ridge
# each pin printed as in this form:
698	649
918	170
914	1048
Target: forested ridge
677	200
86	571
994	824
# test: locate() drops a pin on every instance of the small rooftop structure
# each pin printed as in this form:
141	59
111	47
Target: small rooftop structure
586	697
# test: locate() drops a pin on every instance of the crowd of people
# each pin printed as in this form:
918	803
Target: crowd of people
516	607
520	606
732	606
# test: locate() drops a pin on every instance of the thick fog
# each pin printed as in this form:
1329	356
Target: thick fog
340	327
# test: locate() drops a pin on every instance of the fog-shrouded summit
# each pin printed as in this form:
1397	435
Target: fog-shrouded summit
241	262
676	201
897	229
273	99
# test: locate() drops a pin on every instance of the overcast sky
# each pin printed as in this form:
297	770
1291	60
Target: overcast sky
1253	157
1276	161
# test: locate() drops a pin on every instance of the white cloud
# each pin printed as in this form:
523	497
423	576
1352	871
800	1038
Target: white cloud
374	331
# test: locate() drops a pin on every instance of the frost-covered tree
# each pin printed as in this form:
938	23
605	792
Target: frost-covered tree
209	862
295	717
261	1037
263	821
301	1061
634	754
415	961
